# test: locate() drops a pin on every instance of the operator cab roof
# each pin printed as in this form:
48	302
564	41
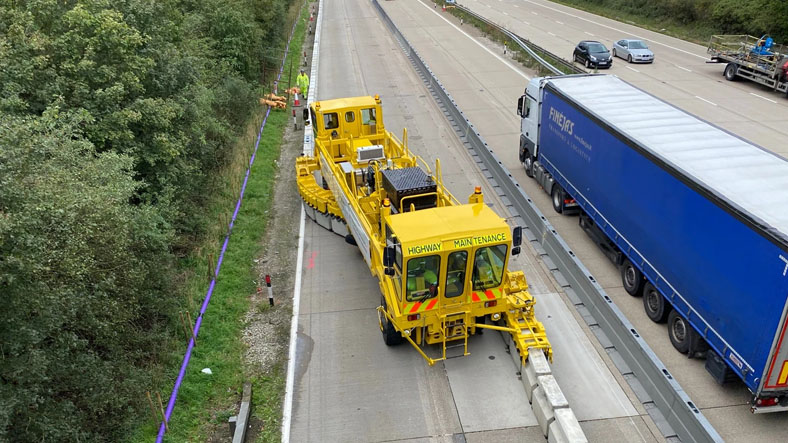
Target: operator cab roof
343	103
448	223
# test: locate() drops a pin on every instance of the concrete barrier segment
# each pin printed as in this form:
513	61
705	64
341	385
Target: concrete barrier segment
565	428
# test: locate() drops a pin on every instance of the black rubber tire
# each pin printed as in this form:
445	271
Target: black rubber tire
557	197
632	279
679	332
654	304
390	335
613	51
588	63
528	164
629	58
730	72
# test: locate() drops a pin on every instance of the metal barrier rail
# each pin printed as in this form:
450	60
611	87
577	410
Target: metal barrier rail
671	408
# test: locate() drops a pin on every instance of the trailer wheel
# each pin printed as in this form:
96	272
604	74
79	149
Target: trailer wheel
730	71
529	164
679	331
390	335
655	304
631	278
557	195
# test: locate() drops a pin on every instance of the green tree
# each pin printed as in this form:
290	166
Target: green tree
82	274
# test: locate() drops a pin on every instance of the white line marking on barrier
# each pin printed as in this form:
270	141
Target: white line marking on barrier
760	96
701	98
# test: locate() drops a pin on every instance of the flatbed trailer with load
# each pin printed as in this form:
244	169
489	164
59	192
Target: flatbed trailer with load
441	266
756	59
695	217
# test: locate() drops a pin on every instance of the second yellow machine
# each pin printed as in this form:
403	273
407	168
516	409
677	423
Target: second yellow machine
442	266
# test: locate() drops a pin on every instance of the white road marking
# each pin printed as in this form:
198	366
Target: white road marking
560	23
501	59
526	22
592	35
760	96
629	67
551	33
290	381
532	12
614	29
505	13
682	67
701	98
516	6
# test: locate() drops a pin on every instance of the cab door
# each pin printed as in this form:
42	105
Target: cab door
351	124
455	286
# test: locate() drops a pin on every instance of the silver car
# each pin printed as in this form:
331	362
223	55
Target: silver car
634	51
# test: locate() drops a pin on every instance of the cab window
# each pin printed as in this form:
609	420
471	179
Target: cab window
368	116
422	280
455	273
350	116
488	267
331	120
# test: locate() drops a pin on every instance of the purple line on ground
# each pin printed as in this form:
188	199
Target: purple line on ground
198	323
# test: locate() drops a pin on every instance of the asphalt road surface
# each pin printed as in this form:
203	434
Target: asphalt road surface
351	387
486	86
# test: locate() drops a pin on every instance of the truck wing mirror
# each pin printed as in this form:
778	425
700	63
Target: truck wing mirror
520	103
517	236
388	257
517	239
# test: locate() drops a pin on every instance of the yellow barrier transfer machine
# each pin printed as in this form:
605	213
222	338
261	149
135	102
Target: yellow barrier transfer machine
441	265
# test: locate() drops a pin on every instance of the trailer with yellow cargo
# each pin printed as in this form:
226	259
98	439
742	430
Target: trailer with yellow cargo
442	266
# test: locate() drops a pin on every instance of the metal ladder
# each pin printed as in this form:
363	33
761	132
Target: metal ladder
463	335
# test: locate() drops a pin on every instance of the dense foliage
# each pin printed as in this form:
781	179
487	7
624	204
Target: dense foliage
113	117
754	17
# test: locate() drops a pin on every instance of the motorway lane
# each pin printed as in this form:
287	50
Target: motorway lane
679	74
464	69
350	386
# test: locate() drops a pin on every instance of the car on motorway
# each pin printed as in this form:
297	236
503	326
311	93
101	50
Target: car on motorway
633	51
592	54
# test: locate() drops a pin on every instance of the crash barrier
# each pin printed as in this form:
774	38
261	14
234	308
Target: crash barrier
196	330
669	406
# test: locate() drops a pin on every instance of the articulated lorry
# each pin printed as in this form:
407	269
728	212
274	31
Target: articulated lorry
695	217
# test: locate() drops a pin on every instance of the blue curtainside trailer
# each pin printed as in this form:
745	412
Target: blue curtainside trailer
695	217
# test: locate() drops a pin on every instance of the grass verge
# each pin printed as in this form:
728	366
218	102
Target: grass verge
205	402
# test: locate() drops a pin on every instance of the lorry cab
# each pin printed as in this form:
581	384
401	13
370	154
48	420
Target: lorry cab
528	110
444	283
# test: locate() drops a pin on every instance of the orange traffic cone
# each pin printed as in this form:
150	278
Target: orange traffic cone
296	101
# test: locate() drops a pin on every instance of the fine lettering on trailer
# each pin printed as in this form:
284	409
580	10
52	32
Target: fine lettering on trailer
785	270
